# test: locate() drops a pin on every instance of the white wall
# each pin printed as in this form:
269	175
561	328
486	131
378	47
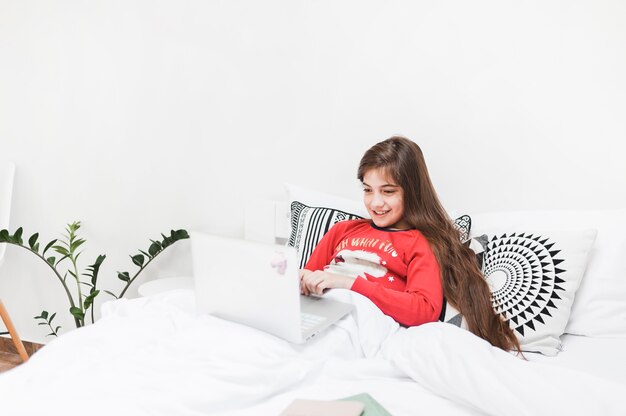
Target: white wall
140	116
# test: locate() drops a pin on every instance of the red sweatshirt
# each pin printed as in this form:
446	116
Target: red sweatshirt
397	270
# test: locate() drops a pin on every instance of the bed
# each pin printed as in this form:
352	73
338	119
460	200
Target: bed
155	355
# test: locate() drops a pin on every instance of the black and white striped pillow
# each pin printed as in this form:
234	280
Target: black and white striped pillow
309	224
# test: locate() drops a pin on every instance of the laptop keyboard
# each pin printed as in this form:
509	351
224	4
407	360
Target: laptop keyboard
309	320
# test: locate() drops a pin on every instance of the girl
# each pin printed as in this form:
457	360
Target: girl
409	255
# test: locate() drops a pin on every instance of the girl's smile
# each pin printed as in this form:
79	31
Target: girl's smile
384	200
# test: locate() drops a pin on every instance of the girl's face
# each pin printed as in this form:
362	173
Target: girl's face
384	200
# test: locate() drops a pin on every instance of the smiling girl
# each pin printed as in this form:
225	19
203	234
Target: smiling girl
408	256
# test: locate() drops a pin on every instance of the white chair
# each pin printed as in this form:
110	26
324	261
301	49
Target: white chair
7	172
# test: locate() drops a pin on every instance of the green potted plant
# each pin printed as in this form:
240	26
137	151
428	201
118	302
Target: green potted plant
81	288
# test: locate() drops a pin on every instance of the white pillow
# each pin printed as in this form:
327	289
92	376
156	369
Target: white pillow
600	305
599	308
533	278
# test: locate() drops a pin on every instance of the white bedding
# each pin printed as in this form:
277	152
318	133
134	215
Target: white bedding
156	356
602	357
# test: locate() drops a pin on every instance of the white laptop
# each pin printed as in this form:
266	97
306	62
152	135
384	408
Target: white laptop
258	285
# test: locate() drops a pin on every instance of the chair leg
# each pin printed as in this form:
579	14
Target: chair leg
19	346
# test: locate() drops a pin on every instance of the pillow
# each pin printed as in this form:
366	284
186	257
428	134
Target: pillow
464	225
600	305
533	277
314	198
599	308
308	226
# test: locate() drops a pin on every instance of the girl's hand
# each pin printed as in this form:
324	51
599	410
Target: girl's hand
318	281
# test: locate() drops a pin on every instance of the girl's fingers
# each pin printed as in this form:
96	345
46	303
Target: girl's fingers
319	288
316	282
320	284
304	288
305	285
310	283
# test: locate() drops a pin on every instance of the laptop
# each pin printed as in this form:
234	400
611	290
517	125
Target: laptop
258	285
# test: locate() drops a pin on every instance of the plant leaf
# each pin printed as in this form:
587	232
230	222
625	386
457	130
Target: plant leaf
50	244
61	259
94	269
17	237
77	313
76	244
145	254
52	317
111	293
166	241
4	236
89	299
73	227
155	247
179	235
123	276
33	240
51	260
61	250
138	259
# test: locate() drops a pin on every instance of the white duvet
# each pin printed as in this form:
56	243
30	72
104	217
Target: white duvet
156	356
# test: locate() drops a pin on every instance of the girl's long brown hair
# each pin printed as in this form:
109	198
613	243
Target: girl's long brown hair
464	286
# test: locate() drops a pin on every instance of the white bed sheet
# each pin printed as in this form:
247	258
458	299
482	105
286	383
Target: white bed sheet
455	364
156	356
603	357
399	395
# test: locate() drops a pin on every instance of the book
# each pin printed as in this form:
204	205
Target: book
372	407
302	407
358	405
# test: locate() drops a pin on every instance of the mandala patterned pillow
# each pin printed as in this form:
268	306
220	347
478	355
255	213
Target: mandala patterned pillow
533	277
